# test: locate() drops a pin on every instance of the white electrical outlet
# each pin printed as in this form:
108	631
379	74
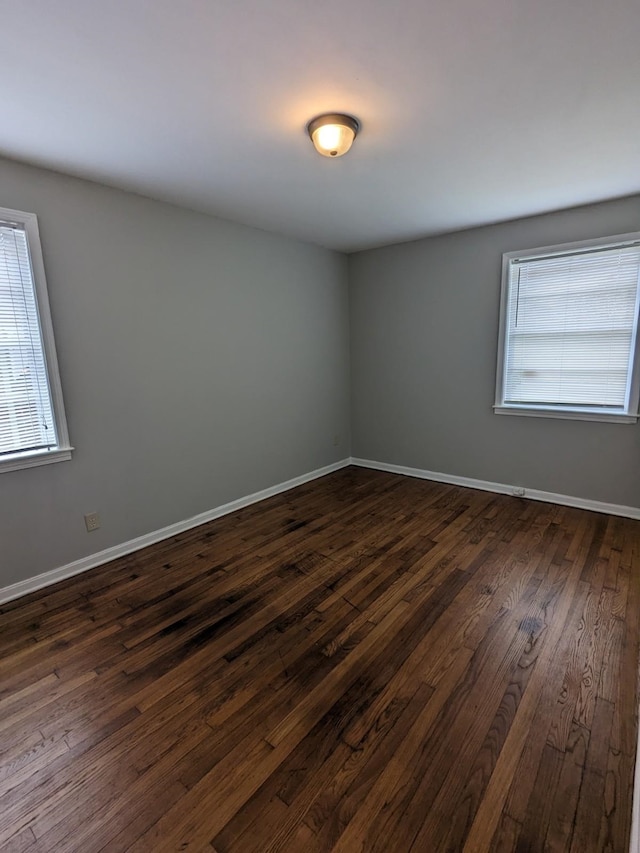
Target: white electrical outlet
92	521
518	491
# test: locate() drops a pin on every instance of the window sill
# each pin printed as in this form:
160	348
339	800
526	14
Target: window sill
567	414
30	460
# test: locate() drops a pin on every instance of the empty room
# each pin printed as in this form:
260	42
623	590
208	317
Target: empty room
319	440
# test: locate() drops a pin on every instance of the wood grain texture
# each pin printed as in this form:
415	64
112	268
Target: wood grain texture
365	663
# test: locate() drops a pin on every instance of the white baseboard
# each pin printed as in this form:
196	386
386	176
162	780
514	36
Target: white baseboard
502	488
21	588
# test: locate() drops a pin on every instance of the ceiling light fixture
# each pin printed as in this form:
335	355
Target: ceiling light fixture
332	134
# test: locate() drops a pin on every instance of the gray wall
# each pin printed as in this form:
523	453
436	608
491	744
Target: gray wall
424	329
201	361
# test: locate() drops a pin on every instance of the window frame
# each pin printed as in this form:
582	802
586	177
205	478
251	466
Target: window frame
63	450
569	412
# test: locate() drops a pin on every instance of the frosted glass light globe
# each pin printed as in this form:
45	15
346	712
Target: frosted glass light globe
333	134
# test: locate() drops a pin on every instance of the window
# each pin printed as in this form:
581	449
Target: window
33	429
568	322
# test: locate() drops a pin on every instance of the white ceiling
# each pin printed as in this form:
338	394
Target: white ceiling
471	111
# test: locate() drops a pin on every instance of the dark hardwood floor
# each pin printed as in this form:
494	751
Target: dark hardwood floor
367	663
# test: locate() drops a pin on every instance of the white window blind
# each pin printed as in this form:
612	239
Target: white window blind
569	331
26	412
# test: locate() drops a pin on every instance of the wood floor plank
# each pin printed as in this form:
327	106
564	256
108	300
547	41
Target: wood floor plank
488	813
366	663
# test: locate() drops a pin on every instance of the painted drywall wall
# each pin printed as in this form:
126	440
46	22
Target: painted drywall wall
201	361
424	331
